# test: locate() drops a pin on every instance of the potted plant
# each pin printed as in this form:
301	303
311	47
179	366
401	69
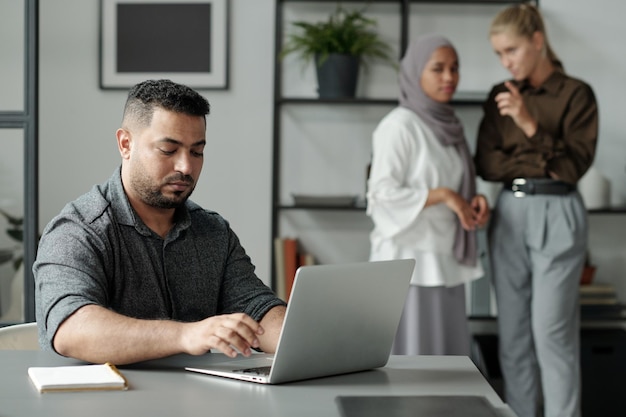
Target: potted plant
16	232
14	255
338	46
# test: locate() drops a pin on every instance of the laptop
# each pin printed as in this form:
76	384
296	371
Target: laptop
340	319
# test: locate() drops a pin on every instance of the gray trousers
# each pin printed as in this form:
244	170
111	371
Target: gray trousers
538	247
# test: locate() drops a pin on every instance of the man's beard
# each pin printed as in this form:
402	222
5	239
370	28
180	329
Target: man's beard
153	196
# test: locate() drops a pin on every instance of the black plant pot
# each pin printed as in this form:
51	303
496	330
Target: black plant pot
337	76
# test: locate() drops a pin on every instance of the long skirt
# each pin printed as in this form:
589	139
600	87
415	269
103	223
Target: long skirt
434	322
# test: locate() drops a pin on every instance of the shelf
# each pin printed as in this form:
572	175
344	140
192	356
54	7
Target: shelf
413	1
343	1
583	318
361	207
596	318
347	101
358	207
482	318
462	99
473	1
608	210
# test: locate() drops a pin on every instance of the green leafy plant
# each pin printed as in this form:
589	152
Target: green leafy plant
16	232
345	32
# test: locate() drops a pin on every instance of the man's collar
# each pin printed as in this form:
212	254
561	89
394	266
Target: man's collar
126	214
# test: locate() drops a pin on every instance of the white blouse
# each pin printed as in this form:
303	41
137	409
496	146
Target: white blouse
408	161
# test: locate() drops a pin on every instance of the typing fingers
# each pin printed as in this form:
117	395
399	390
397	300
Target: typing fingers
239	331
229	333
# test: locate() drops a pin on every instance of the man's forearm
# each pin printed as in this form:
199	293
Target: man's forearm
272	324
96	334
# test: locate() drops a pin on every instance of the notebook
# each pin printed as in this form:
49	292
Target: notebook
77	378
340	319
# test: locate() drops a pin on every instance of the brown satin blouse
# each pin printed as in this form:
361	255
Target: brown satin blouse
567	115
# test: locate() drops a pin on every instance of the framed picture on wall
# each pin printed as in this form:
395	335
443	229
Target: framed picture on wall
186	42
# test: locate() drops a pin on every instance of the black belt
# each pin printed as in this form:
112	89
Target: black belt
530	186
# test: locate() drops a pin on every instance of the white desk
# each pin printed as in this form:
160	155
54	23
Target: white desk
162	388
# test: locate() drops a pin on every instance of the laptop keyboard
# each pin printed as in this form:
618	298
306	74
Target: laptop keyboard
260	370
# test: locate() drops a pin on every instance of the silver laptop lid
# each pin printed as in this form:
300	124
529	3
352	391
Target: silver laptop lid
341	318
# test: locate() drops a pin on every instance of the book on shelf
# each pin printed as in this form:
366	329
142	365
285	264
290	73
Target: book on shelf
77	378
597	288
593	294
289	256
291	264
279	261
599	300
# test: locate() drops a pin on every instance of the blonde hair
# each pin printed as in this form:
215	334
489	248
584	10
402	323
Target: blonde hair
524	20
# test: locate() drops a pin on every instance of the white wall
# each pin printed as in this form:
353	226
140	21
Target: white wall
12	50
78	120
588	37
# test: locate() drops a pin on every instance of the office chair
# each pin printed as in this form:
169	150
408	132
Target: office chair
19	337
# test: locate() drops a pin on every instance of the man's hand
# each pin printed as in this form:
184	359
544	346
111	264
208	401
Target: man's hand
511	104
229	333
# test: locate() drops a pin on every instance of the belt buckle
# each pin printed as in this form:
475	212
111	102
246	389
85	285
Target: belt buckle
516	187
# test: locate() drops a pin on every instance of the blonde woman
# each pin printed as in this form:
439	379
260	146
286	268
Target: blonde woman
537	137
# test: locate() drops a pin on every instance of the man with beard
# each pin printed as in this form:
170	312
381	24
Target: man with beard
133	270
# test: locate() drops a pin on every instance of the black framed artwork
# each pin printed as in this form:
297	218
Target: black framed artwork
186	42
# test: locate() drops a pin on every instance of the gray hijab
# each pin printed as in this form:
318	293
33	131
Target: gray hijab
442	120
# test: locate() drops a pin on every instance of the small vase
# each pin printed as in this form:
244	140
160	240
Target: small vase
337	76
595	189
587	275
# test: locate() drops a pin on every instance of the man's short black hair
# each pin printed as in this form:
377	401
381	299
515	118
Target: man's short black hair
144	97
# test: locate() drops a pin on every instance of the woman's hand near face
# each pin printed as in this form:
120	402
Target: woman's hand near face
512	104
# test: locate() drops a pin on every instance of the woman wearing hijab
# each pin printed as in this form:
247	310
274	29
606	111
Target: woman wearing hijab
422	199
